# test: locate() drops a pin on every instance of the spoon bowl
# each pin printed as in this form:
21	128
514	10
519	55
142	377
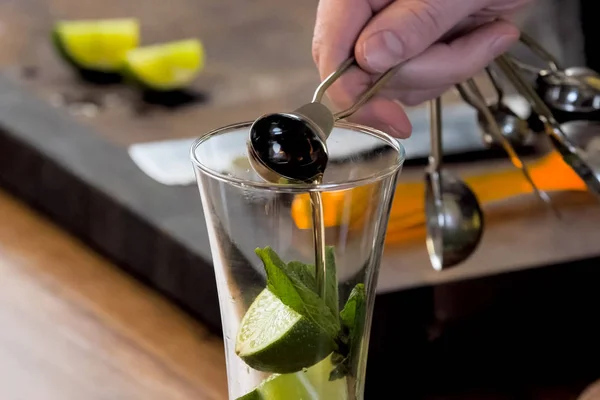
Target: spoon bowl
570	90
584	165
454	224
289	146
574	90
454	219
515	129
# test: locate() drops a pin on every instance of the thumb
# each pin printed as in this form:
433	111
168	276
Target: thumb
404	29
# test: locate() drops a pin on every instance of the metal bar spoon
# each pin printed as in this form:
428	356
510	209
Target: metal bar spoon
454	220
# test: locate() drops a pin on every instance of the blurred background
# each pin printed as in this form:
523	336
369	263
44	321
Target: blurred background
513	323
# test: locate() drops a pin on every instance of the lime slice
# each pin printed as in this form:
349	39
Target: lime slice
319	377
99	45
312	384
167	66
275	338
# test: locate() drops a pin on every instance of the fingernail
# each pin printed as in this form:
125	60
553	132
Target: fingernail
502	44
382	51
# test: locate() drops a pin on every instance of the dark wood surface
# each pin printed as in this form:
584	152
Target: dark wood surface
91	188
73	326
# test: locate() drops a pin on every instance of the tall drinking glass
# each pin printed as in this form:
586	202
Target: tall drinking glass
292	330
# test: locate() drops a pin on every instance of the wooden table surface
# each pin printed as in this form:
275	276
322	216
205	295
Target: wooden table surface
74	327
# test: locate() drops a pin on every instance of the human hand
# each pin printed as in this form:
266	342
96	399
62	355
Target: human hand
443	43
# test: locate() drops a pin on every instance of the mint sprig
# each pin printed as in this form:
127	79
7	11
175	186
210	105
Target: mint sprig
353	320
289	287
295	285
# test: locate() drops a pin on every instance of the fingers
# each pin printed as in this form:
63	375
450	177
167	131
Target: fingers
380	112
338	24
416	97
425	77
406	28
386	115
443	65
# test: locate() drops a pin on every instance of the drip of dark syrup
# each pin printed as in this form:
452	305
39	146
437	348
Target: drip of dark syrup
319	242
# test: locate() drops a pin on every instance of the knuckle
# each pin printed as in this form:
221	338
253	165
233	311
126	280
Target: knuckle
423	24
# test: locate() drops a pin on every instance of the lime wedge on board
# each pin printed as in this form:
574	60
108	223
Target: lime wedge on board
166	66
96	45
275	338
312	384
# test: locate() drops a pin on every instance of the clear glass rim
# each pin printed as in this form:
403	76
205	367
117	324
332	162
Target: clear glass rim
301	187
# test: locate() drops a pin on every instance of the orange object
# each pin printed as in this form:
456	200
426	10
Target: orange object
338	206
550	173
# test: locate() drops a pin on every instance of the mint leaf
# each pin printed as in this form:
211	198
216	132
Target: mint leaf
331	284
290	289
305	272
353	319
353	313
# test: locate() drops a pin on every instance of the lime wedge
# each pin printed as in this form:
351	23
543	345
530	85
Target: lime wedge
275	338
167	66
312	384
99	45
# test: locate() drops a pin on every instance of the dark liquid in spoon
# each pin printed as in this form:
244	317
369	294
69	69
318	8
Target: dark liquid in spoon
289	147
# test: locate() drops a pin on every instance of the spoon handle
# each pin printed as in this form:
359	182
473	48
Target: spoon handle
435	116
364	97
539	107
497	87
323	86
369	93
526	67
471	91
540	51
